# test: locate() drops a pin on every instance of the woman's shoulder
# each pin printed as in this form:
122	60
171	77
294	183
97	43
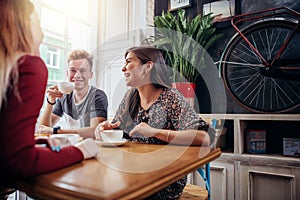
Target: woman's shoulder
30	62
27	58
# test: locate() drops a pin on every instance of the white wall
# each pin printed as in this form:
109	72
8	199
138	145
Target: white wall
121	24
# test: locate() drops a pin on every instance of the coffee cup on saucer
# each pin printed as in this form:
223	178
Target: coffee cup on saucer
112	135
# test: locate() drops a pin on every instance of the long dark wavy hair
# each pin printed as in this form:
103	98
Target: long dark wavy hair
159	77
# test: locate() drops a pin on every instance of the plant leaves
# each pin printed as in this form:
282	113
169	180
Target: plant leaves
181	37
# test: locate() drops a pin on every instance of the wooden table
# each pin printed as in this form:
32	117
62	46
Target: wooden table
132	171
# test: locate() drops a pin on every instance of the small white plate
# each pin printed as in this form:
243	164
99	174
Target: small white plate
112	143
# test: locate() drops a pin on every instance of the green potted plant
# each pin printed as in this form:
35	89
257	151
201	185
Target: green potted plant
184	42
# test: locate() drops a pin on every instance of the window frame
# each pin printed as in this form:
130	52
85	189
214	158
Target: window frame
66	46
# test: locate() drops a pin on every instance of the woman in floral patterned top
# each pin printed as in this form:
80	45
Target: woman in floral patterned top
152	112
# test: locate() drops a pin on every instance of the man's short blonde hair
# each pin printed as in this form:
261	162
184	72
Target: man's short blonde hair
81	54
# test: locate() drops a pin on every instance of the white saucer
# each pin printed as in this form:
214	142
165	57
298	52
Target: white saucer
112	143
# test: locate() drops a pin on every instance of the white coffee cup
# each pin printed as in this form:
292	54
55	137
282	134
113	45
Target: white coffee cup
112	135
67	139
65	87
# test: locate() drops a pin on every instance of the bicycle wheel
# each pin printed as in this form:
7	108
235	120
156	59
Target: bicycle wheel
255	86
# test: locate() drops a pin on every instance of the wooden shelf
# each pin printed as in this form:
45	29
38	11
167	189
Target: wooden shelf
243	174
261	159
239	123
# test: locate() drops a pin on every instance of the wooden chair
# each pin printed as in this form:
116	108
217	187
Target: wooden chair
194	192
197	192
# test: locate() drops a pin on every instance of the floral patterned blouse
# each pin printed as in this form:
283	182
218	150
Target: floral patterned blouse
170	111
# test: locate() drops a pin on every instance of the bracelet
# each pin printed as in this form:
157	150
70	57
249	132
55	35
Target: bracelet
50	102
55	129
168	134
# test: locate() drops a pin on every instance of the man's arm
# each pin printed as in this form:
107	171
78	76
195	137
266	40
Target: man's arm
85	132
88	132
48	118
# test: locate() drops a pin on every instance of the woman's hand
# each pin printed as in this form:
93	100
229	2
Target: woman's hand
144	129
104	126
88	147
52	143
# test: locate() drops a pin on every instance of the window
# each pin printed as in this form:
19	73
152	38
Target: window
67	25
52	58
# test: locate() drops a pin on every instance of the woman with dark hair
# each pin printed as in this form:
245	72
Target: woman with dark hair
152	112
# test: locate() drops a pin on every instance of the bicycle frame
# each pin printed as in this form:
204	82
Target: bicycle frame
262	15
260	65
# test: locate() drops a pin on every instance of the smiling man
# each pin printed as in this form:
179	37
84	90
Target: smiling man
83	109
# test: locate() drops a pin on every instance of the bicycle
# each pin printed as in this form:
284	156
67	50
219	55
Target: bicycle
260	66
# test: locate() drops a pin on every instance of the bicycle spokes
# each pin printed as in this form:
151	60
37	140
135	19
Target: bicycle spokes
268	81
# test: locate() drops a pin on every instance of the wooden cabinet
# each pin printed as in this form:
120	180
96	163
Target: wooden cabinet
238	174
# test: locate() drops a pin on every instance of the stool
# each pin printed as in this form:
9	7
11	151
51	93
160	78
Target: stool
194	192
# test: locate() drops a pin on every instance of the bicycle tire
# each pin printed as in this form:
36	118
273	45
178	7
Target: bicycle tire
253	85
